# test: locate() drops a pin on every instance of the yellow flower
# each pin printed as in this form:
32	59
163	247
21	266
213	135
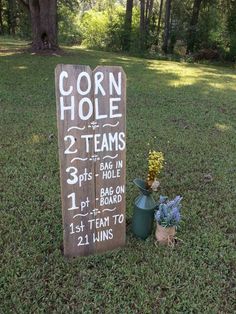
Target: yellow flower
155	164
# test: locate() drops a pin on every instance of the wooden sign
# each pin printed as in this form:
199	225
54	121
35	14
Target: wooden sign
92	147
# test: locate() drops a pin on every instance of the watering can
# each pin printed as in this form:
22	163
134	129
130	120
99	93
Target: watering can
143	215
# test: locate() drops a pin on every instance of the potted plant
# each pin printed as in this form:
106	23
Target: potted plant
167	217
144	205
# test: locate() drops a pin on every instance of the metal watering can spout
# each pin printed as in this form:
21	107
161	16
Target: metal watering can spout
141	184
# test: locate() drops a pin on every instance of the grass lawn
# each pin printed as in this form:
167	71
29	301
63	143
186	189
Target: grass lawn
188	111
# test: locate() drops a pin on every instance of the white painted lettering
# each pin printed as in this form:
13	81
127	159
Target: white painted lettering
82	115
99	223
88	79
87	137
97	142
106	191
113	83
120	189
106	165
72	142
114	108
110	200
111	174
122	141
73	172
105	145
118	218
70	108
113	139
97	115
98	78
63	92
103	236
73	206
119	164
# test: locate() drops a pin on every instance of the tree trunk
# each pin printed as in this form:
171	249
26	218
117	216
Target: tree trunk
146	7
44	24
1	19
167	27
11	17
127	25
193	26
43	15
149	8
231	26
159	21
142	25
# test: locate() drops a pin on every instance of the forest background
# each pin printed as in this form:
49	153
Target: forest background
193	29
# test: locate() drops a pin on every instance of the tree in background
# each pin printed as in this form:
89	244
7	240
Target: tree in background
232	29
193	26
127	26
68	16
8	17
43	15
146	11
167	27
1	18
159	21
11	16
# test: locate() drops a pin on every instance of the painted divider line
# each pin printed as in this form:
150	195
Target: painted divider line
111	125
75	127
94	158
111	157
80	215
93	125
109	209
78	158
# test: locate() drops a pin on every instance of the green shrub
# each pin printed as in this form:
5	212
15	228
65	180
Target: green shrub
68	26
105	29
94	26
115	29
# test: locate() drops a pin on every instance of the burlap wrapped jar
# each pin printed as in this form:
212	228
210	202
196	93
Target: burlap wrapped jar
165	235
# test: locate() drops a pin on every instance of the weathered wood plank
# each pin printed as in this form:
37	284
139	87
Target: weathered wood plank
91	137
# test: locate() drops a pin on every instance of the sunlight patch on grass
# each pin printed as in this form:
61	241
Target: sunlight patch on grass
76	47
36	138
7	53
223	127
105	61
184	81
186	75
183	76
15	43
223	86
21	67
124	58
